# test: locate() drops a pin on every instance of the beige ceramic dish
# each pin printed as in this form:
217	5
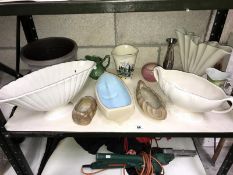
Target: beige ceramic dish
150	102
84	110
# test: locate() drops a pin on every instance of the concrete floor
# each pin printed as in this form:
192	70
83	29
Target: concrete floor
205	152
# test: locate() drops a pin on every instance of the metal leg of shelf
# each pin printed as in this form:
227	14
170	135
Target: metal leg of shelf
13	151
50	147
217	150
227	163
10	156
29	28
2	121
15	73
30	34
215	35
218	25
9	145
8	70
216	32
17	45
18	154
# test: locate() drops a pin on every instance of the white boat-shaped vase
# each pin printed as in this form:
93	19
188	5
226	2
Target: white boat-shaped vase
191	92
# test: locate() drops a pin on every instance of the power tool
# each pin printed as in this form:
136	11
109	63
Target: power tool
162	155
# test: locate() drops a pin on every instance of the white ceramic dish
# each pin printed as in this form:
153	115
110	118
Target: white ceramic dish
47	88
190	91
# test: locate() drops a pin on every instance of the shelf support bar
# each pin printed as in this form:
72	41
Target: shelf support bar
10	156
215	35
13	151
17	47
30	34
29	28
227	163
218	25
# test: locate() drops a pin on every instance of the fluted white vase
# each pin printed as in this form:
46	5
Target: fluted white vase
196	56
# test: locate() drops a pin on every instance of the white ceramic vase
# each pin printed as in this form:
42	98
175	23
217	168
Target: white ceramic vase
196	56
191	92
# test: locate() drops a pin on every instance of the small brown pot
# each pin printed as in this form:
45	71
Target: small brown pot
84	110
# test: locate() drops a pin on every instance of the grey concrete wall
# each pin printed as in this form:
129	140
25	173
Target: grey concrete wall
97	34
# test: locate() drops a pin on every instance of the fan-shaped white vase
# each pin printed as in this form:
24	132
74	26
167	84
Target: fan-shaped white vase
197	56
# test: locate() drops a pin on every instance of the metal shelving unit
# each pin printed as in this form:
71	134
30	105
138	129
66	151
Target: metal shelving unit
23	10
109	6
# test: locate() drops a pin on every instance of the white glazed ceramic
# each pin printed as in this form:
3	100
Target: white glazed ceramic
47	88
190	91
217	77
192	54
213	53
216	74
197	56
187	39
119	114
125	57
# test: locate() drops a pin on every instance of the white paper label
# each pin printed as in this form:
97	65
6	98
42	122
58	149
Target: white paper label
108	156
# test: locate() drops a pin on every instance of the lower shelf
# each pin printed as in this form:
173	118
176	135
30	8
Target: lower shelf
69	157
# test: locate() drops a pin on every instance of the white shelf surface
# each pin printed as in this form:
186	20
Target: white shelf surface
69	157
178	120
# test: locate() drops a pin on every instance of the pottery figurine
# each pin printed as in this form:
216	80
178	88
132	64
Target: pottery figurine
191	92
150	102
84	110
125	59
100	68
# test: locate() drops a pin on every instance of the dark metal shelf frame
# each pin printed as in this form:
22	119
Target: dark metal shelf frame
109	6
30	34
16	134
21	9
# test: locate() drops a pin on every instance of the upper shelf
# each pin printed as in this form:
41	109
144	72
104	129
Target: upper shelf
179	122
108	6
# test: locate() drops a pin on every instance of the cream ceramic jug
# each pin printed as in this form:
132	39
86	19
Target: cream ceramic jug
191	92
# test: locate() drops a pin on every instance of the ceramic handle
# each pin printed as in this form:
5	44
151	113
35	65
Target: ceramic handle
108	62
227	110
156	73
